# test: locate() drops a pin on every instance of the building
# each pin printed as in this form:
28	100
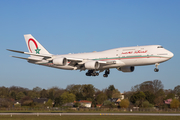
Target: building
116	101
84	103
168	101
98	105
17	102
122	96
40	100
68	104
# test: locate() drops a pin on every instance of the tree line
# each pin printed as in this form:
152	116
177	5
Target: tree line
56	95
152	93
146	94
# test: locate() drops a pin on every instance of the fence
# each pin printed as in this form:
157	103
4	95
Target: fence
62	109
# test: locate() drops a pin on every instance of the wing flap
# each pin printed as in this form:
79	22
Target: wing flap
75	59
107	62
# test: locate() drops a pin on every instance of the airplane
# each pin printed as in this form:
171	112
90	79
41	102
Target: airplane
123	59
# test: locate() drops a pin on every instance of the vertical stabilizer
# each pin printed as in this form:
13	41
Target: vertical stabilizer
34	46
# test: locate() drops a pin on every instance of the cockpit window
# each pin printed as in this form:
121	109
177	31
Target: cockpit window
160	47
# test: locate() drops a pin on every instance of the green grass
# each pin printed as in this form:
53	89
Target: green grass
102	117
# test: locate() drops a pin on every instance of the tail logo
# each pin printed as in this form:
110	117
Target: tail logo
37	49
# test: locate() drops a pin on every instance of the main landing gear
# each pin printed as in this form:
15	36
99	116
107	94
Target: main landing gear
156	69
92	73
107	72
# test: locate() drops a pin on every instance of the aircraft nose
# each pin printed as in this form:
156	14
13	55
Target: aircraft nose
170	54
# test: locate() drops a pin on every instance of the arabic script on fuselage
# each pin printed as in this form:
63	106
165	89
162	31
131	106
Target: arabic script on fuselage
135	52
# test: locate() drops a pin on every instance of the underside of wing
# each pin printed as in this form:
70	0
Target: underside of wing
93	64
107	62
66	62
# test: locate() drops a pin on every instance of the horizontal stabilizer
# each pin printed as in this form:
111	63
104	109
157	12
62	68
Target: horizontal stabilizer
15	51
34	59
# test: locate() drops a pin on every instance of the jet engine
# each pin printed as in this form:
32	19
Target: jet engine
126	69
91	65
61	61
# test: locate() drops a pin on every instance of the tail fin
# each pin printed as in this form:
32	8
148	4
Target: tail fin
34	46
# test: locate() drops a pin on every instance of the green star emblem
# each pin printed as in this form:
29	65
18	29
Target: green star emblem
37	50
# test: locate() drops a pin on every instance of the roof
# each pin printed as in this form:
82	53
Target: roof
17	102
40	100
168	101
114	100
68	104
83	101
98	105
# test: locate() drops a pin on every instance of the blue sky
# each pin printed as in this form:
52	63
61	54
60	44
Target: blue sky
75	26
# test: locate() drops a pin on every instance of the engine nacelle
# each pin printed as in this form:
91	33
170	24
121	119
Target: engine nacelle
126	69
61	61
91	65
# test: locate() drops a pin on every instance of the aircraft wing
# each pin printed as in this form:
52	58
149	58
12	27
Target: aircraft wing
40	55
107	62
74	62
75	59
79	63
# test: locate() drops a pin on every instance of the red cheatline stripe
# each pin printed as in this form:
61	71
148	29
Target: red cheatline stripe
129	58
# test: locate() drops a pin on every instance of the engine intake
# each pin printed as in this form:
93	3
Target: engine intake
126	69
61	61
91	65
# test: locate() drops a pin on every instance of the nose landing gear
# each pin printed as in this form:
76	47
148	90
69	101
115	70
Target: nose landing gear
156	69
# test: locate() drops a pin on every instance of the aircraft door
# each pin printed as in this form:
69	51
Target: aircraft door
118	54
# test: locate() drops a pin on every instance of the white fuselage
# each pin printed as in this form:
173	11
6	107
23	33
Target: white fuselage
123	59
125	56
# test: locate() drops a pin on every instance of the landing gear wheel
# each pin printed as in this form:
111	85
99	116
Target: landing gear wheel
107	72
88	74
92	73
156	70
105	75
95	74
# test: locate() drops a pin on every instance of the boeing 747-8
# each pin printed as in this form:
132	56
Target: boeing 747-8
123	59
